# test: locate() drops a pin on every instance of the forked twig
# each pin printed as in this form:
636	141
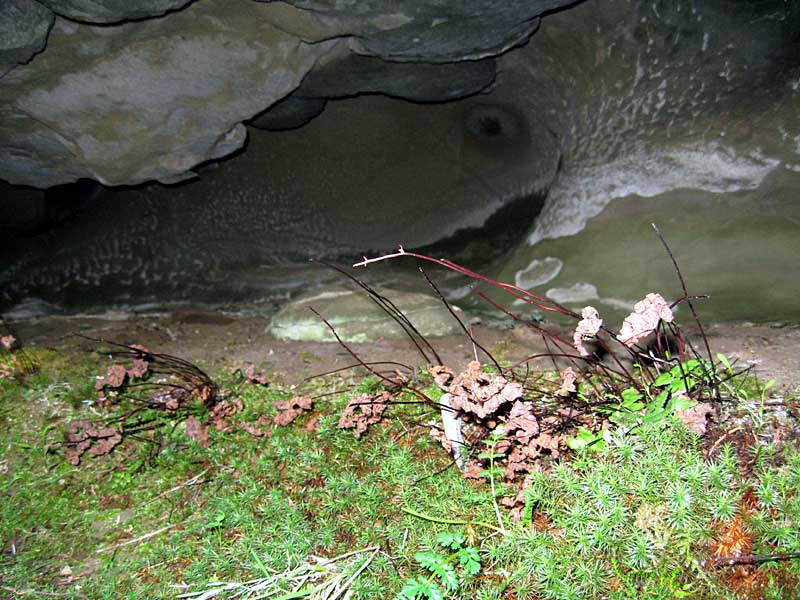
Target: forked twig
516	291
688	299
366	365
459	321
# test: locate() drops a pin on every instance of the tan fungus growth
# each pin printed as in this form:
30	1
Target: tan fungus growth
587	328
644	319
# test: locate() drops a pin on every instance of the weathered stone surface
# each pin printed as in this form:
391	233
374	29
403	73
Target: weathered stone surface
350	74
431	30
356	318
24	25
146	100
133	101
112	11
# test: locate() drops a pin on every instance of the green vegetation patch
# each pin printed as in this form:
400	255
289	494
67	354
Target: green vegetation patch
304	506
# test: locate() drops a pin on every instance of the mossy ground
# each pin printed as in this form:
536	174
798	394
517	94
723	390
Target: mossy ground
637	519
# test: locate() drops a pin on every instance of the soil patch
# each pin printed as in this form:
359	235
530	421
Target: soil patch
216	340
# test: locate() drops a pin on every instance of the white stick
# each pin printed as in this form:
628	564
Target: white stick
141	538
452	430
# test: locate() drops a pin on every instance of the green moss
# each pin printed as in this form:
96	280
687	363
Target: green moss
635	517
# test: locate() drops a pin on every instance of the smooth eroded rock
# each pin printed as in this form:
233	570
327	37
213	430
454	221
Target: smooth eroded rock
146	100
356	318
430	30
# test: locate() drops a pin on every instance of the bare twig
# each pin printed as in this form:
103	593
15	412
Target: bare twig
517	292
749	559
141	538
189	482
395	313
459	321
688	299
377	374
356	365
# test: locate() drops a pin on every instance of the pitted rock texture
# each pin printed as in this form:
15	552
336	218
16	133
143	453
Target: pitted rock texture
164	85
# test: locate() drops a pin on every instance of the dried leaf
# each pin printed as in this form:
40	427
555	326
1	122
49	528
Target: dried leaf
474	470
259	428
644	319
197	431
695	419
290	409
364	410
568	377
222	411
75	453
83	437
587	328
139	369
400	378
169	399
732	539
78	431
7	342
252	376
522	422
105	441
443	376
115	378
205	393
481	394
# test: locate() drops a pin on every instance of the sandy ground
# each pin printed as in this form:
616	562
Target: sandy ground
215	341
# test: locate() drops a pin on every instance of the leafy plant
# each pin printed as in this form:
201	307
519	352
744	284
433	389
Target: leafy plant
447	572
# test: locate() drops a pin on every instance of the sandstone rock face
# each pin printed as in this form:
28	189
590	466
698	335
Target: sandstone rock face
150	99
24	25
112	11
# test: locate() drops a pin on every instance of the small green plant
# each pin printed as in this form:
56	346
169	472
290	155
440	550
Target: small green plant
586	440
447	572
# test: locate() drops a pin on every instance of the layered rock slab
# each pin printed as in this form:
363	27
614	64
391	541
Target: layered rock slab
149	104
135	101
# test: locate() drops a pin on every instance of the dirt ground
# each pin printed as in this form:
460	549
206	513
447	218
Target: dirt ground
216	340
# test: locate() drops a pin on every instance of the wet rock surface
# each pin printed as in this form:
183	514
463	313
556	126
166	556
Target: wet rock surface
613	115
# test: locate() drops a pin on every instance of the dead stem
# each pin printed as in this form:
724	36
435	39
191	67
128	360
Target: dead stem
460	322
366	365
688	299
750	559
